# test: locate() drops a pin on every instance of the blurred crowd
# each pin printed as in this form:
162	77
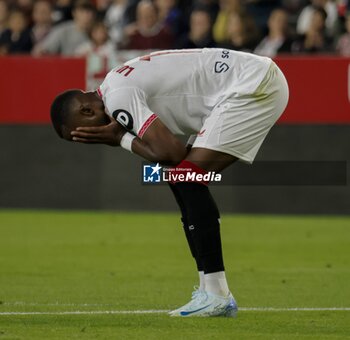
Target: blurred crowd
105	27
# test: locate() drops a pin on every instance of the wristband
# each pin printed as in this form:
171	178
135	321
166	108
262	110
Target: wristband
126	141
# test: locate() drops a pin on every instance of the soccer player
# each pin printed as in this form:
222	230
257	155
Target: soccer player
226	100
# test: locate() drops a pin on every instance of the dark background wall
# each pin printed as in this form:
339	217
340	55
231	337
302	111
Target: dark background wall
38	170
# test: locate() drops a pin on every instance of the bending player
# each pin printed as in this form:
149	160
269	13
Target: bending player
226	100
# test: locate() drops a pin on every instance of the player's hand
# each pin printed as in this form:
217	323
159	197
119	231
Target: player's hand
109	134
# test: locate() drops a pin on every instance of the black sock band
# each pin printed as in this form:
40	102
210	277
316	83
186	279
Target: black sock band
203	224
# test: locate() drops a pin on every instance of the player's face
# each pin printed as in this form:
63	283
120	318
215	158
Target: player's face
87	110
91	109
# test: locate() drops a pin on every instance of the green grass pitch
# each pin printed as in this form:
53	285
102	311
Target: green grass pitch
55	264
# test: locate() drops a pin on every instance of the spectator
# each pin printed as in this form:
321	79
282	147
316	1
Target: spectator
212	7
99	42
170	16
100	54
315	39
293	8
343	45
42	22
17	38
261	10
65	38
304	19
343	6
277	40
115	20
130	12
242	31
200	34
102	7
147	33
220	29
4	14
62	11
26	6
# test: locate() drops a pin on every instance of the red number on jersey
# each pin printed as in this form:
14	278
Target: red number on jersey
126	68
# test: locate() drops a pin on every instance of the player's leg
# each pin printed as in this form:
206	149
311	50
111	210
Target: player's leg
203	217
188	235
203	220
236	128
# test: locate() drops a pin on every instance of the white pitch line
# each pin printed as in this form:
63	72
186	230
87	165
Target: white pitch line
151	311
21	303
292	309
162	311
248	309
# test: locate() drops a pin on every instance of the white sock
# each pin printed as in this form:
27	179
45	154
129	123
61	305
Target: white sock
216	283
201	280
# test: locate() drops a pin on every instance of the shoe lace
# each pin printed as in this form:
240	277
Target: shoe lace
198	296
195	292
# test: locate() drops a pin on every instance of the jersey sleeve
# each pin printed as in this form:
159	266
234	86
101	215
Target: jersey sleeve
128	107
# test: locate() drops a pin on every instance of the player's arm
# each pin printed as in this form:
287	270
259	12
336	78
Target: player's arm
159	144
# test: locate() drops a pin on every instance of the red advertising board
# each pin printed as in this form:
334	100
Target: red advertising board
319	88
28	86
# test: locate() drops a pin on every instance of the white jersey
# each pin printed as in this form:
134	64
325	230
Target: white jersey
181	87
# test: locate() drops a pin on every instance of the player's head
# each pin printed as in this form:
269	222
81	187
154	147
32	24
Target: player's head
74	108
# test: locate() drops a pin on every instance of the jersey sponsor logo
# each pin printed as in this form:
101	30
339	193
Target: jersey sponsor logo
225	54
221	67
124	118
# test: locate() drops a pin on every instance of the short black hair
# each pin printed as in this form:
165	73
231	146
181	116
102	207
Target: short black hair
61	109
